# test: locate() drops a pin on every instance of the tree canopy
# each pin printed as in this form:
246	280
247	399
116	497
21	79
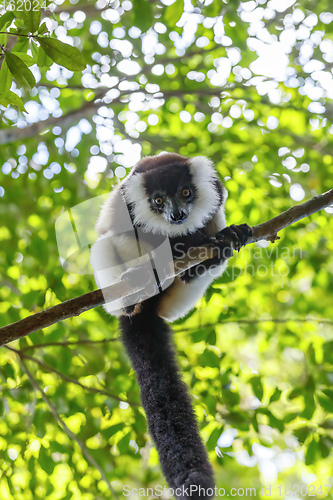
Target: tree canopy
86	89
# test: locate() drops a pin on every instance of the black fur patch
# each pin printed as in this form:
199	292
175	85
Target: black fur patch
166	401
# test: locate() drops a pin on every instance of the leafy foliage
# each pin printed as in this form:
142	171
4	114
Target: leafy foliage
87	88
23	21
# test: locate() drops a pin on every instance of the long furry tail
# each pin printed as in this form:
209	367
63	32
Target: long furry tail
167	404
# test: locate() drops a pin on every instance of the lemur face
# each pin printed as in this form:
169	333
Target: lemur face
172	195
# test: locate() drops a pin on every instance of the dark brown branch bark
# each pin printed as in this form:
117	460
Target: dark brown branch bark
74	307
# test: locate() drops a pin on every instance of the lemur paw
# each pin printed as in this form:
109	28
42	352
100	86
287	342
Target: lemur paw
237	236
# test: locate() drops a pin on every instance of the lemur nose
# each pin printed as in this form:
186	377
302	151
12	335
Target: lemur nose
178	217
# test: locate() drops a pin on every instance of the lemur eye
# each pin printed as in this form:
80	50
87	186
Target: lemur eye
158	201
186	192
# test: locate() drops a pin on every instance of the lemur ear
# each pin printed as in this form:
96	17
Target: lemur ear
224	192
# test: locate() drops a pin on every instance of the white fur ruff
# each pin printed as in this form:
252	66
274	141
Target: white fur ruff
206	203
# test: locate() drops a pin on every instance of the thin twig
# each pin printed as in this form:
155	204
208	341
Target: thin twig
268	230
254	321
67	343
15	34
67	378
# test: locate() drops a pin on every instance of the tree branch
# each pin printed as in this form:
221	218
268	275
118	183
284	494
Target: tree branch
74	307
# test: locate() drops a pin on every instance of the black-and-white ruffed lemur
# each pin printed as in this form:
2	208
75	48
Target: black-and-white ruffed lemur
181	200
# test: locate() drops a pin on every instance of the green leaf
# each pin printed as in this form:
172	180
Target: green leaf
29	16
212	440
328	392
3	38
302	433
2	407
63	54
328	423
199	335
23	342
212	10
257	387
309	406
255	423
28	60
275	422
19	70
3	100
13	99
295	393
291	416
22	44
325	446
230	398
8	371
5	79
123	444
44	61
325	402
110	431
143	15
42	29
173	12
328	352
275	396
209	358
6	19
311	452
40	57
46	461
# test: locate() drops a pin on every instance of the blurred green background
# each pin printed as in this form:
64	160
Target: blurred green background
248	84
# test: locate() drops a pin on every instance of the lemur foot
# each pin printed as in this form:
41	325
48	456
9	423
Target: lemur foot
237	236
